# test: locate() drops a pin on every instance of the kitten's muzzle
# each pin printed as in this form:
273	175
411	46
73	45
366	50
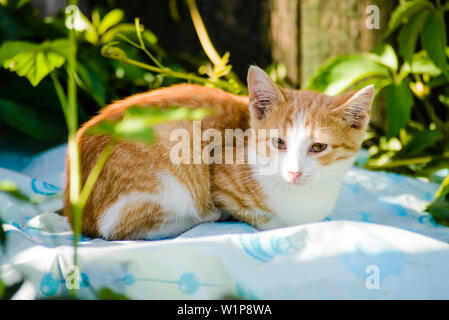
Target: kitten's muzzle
294	175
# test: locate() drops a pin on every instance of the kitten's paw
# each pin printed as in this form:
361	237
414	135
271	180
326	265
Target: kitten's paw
271	224
212	216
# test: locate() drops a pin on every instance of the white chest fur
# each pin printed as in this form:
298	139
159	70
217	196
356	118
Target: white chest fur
300	204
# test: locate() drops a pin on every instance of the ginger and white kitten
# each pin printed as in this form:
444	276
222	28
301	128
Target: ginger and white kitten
142	194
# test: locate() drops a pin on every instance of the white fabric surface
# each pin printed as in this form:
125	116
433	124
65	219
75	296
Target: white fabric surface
377	244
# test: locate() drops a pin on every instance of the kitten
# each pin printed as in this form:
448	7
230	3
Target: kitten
142	194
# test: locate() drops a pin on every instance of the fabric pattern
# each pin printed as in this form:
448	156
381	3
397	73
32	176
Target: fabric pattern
377	244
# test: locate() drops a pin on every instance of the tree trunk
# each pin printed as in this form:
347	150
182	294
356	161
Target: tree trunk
307	33
284	34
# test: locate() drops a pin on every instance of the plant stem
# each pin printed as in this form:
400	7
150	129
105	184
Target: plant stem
233	86
443	185
142	44
73	148
169	72
123	37
95	173
205	41
60	92
203	36
180	75
139	46
438	123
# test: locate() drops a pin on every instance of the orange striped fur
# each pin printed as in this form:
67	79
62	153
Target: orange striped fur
142	194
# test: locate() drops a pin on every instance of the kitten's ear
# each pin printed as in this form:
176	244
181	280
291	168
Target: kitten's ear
263	92
356	109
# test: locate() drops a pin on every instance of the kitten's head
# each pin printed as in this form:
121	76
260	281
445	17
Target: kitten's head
318	135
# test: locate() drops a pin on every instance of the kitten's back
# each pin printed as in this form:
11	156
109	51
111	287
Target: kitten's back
134	167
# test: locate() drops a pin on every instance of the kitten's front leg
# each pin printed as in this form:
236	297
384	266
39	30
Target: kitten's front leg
212	216
253	216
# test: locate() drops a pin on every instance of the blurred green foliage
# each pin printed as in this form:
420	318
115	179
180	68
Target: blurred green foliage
410	72
36	60
137	123
32	47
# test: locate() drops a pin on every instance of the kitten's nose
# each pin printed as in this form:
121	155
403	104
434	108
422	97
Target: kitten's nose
294	175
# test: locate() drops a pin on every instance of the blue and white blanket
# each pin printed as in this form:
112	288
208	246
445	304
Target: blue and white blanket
377	244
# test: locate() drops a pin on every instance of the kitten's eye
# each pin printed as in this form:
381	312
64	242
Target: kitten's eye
279	143
318	147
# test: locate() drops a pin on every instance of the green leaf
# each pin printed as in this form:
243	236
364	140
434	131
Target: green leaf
129	30
90	32
150	37
111	34
408	36
110	19
398	103
124	28
8	292
342	72
420	141
135	130
433	39
385	56
108	294
21	3
111	51
11	48
33	61
137	122
40	124
60	46
443	191
16	4
105	127
11	188
379	84
421	63
153	116
405	12
439	209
